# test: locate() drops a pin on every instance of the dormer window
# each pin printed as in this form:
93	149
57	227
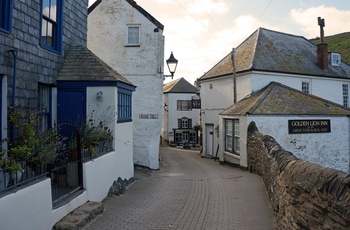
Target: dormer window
335	59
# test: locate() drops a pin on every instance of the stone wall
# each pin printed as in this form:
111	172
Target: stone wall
304	195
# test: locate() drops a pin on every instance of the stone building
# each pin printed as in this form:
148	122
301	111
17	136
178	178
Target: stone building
131	41
267	56
181	113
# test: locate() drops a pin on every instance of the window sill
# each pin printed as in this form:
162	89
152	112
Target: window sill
133	45
124	120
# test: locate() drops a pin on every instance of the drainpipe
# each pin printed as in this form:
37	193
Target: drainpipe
234	76
14	53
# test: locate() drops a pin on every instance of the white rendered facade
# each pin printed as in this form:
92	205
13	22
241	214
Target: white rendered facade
172	114
141	64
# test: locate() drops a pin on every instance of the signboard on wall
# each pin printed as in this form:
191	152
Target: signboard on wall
309	126
148	116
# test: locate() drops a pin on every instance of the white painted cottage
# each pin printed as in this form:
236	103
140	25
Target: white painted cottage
131	41
181	113
312	128
267	56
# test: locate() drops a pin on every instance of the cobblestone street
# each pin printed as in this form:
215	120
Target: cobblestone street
189	192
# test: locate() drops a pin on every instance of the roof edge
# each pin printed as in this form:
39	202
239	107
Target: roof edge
93	6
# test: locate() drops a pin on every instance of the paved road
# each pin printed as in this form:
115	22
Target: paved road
189	192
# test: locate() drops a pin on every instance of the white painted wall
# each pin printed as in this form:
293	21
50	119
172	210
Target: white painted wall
327	149
142	65
29	208
173	114
216	95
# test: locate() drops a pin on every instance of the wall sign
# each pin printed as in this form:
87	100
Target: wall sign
148	116
309	126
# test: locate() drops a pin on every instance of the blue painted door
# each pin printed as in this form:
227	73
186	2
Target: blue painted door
71	109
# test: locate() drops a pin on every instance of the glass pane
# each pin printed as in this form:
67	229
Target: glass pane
53	10
46	8
133	35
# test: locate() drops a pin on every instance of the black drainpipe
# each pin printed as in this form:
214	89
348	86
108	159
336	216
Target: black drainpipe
14	53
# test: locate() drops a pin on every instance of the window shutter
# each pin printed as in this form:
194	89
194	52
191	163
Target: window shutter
190	123
179	123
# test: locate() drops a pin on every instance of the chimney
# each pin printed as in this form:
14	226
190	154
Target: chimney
322	48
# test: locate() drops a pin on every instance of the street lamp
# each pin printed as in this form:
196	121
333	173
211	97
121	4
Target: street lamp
172	64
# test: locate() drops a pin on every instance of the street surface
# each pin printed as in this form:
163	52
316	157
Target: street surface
189	192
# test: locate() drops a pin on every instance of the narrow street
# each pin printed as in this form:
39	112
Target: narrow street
189	192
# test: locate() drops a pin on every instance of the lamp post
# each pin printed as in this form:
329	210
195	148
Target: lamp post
172	64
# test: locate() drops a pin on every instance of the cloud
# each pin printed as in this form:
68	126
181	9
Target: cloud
337	21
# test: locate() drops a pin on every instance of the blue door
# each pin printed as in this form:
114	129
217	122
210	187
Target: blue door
71	109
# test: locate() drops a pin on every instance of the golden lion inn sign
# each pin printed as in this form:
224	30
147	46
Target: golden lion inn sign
309	126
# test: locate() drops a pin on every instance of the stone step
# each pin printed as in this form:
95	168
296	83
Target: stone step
80	217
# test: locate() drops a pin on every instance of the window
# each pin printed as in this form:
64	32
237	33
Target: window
5	15
335	59
184	105
346	95
184	123
305	87
51	23
232	136
193	137
178	137
133	35
124	106
44	93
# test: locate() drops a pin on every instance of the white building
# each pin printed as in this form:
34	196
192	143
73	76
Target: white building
311	128
181	112
268	56
131	41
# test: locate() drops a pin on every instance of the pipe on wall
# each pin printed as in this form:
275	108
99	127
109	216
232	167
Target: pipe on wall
14	53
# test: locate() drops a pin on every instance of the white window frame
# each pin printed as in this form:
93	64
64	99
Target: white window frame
335	59
130	42
232	136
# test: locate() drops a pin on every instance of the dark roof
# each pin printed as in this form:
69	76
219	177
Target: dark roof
179	86
82	65
279	99
139	8
267	50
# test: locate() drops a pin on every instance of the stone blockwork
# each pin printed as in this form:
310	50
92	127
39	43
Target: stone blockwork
304	195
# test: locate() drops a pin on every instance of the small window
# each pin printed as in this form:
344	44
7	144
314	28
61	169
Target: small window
335	59
184	105
305	87
44	105
133	35
184	123
5	15
346	95
51	24
124	106
232	136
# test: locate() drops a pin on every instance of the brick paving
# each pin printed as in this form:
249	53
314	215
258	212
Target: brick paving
189	192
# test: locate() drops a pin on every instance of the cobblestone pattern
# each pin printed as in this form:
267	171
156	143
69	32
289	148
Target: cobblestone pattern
190	192
35	64
304	195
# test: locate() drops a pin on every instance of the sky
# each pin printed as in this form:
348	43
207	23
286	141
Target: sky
202	32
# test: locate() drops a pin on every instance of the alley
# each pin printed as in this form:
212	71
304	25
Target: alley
189	192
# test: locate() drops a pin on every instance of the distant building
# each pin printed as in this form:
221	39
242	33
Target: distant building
312	128
181	113
267	56
131	41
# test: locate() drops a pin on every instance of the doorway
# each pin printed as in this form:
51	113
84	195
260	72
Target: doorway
209	139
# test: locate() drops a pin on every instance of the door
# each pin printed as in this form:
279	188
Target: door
71	108
184	137
209	139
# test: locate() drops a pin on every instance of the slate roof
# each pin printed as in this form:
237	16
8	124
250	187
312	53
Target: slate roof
139	8
279	99
267	50
179	86
82	65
